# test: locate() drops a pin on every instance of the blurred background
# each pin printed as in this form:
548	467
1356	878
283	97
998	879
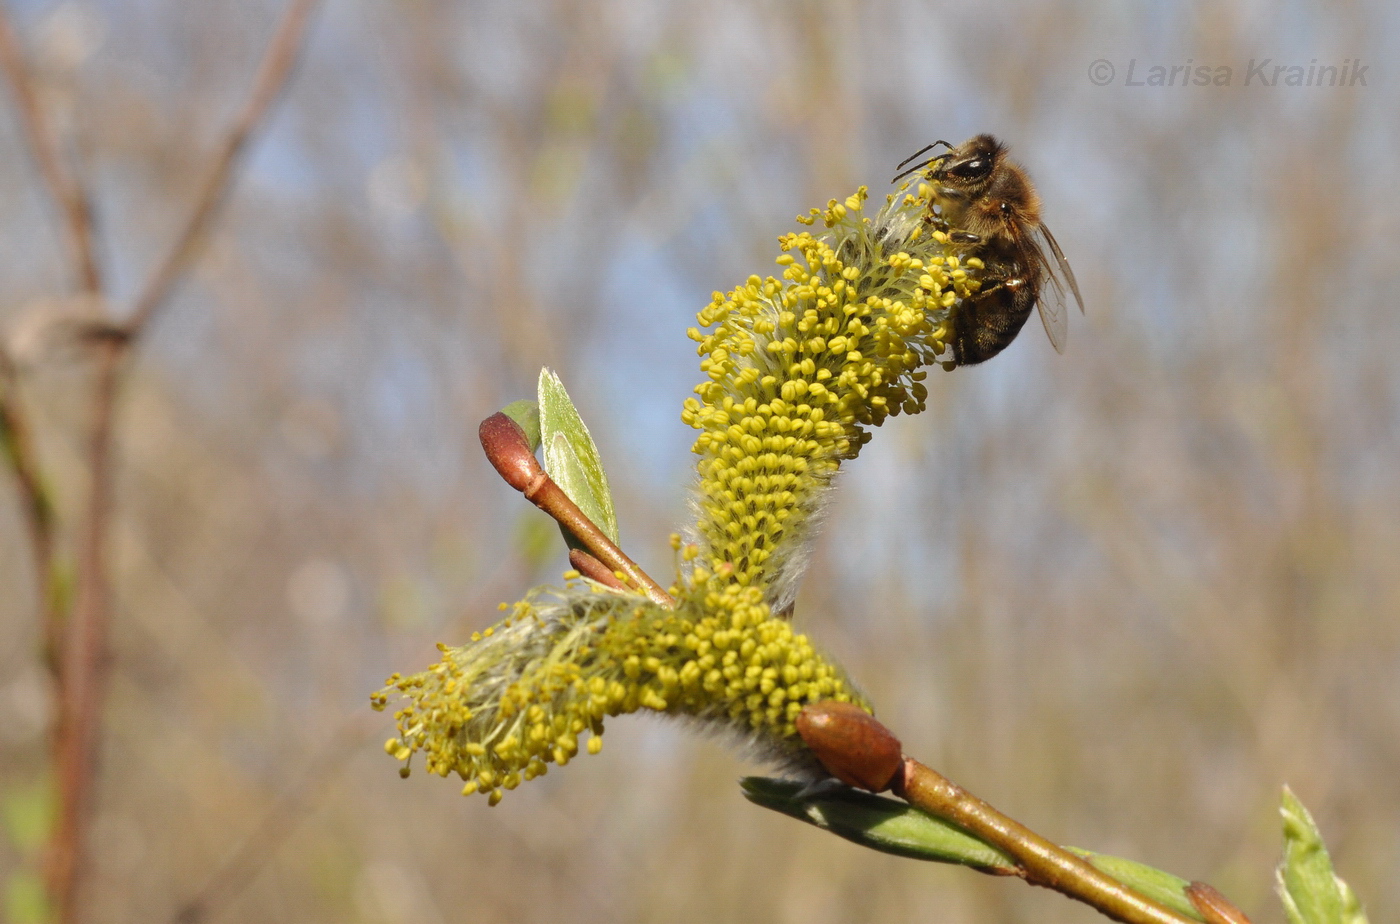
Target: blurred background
1124	594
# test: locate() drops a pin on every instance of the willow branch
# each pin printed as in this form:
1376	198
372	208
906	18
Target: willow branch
272	77
84	657
860	751
510	454
1045	864
82	666
43	147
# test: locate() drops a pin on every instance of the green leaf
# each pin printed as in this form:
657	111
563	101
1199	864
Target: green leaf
526	414
571	458
876	822
1163	888
1311	892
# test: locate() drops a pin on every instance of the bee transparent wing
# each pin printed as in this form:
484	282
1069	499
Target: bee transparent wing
1061	268
1054	314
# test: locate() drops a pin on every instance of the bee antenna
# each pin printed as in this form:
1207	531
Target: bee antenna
921	151
919	166
914	169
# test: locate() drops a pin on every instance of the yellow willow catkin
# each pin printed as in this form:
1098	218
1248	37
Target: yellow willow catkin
801	367
517	697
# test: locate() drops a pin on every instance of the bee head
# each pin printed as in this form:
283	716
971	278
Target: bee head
967	171
982	191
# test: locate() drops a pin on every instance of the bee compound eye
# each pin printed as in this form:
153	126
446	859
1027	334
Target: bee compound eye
971	169
1005	207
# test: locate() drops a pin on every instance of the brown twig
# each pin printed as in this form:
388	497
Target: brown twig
510	454
43	147
82	665
73	203
1045	864
85	644
271	78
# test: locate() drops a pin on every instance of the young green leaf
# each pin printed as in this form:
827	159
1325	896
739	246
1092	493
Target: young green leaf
526	414
1149	882
570	456
1312	893
876	822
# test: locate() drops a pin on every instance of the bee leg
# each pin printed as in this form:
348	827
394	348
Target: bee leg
1012	284
947	196
964	237
986	322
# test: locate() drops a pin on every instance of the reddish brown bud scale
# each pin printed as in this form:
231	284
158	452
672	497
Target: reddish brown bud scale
1214	907
853	747
509	451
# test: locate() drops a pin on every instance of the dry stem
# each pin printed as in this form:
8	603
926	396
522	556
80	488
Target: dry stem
79	643
43	147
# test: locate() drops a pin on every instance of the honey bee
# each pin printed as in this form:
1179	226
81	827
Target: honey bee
988	203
